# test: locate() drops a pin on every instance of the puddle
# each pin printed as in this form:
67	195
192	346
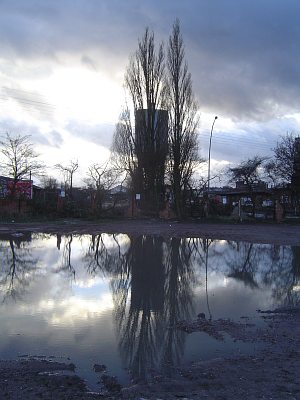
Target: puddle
116	300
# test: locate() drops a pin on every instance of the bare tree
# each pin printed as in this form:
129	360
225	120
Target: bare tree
183	120
249	173
145	81
101	178
49	183
158	96
144	75
19	160
123	146
68	172
281	168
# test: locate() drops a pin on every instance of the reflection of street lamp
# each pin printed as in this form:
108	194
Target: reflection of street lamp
208	173
206	246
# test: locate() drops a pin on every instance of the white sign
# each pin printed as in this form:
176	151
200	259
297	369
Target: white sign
138	196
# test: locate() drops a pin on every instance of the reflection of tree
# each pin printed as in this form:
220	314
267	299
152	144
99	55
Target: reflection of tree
283	275
17	267
294	290
277	267
151	287
100	257
243	263
178	299
203	250
140	322
66	263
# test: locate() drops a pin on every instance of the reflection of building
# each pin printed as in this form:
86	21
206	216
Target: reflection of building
147	282
151	138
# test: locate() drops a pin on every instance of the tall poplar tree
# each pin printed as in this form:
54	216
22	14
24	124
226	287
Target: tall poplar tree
183	121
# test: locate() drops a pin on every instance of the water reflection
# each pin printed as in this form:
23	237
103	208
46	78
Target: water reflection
151	283
245	266
178	305
66	265
139	323
283	275
17	266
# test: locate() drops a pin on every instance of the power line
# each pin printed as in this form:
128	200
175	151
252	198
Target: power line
26	107
38	106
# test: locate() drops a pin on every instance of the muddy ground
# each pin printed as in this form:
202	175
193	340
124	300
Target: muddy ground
282	234
272	373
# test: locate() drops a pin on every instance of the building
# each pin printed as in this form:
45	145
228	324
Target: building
21	189
151	145
296	175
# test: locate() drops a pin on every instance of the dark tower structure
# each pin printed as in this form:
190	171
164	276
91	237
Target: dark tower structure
151	138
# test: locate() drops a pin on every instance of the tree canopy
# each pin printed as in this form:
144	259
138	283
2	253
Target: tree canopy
161	144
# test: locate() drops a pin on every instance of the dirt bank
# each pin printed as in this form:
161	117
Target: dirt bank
281	234
273	373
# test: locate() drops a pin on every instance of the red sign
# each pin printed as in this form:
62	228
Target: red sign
21	189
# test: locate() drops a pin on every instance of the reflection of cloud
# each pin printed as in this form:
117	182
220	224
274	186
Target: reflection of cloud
74	309
60	306
88	282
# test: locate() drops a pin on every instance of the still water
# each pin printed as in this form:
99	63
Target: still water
115	299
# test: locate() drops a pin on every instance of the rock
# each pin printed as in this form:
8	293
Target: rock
130	392
99	367
111	383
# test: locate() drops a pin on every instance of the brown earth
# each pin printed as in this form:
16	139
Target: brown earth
273	373
282	234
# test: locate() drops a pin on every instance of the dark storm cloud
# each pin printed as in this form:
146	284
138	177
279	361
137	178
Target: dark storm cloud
243	54
246	58
38	29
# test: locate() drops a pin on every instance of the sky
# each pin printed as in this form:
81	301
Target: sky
62	66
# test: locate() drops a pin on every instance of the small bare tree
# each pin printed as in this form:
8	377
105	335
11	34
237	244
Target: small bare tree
68	172
101	178
49	183
249	173
19	160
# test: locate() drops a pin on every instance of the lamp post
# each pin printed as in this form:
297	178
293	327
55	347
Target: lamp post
208	173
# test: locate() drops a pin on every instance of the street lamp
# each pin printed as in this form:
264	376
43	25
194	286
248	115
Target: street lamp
208	173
